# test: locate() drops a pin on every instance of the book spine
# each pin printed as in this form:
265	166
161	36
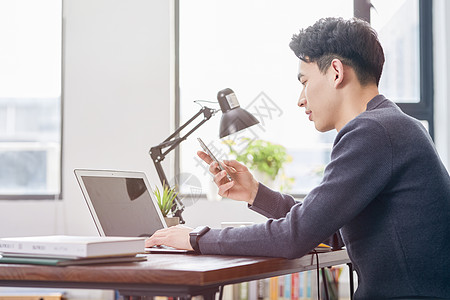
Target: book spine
295	286
263	289
43	248
301	285
280	287
237	291
308	285
228	292
312	284
21	260
253	290
287	286
266	294
244	291
273	288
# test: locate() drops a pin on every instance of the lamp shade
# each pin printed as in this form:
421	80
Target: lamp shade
234	118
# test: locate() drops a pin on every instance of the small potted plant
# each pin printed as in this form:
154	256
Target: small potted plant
166	204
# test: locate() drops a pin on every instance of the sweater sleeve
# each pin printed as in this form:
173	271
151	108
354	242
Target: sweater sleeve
272	204
360	167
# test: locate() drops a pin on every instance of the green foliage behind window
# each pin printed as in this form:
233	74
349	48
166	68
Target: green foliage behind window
261	155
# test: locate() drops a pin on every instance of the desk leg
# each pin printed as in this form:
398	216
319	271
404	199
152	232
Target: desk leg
352	287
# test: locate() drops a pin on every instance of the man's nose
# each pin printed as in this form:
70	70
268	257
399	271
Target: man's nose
302	101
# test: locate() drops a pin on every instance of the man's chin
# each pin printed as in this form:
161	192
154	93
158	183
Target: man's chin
321	129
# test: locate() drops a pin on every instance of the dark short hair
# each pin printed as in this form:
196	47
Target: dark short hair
352	41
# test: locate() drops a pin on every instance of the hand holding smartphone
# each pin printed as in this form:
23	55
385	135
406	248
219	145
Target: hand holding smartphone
206	149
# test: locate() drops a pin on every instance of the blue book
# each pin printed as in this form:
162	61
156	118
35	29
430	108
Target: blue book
301	284
308	284
287	286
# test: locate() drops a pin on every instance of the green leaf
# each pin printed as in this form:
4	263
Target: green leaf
165	199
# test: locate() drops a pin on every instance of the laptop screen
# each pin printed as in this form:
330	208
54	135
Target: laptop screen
120	202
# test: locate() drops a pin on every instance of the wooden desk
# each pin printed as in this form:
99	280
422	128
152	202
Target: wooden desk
177	275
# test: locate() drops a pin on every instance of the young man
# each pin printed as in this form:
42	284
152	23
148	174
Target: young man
385	188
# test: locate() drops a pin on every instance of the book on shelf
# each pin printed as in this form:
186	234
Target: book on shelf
73	246
55	261
296	286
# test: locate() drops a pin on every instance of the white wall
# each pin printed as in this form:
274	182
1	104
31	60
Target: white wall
117	91
117	104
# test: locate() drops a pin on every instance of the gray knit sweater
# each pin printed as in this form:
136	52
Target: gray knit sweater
388	193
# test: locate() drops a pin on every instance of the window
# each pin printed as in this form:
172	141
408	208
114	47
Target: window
244	46
405	31
30	98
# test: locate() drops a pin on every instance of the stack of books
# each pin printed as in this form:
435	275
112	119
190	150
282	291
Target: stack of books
63	250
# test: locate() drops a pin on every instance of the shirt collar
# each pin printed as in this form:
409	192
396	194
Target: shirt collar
376	101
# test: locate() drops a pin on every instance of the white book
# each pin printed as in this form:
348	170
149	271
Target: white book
77	246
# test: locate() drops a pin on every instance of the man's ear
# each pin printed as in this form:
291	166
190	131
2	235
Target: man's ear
337	71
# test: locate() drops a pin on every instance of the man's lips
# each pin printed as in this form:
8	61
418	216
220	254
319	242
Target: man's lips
309	113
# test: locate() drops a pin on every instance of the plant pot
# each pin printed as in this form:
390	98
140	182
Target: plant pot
172	221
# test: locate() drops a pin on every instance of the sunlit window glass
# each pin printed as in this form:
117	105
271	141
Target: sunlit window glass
243	45
30	97
397	24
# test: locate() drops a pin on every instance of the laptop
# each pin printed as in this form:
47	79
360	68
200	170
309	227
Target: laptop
121	203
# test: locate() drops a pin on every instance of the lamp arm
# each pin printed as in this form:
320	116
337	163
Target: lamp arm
207	114
157	153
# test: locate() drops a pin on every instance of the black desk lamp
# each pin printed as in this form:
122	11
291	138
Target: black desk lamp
234	118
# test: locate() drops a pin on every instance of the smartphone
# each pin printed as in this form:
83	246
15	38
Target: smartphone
212	156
